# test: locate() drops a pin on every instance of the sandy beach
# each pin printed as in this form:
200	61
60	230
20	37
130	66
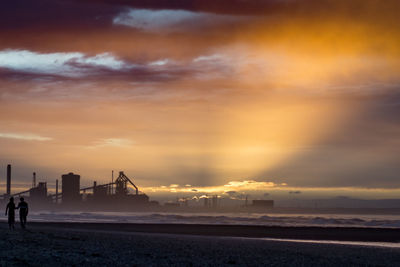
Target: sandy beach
252	231
68	244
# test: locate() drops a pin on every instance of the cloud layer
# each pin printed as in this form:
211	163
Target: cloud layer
204	92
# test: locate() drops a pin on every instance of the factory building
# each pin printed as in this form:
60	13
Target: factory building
100	192
119	194
70	186
114	195
38	193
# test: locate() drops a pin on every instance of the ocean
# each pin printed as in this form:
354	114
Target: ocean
328	220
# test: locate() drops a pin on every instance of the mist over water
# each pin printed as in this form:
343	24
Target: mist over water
324	220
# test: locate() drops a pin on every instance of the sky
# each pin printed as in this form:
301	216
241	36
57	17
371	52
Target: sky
269	98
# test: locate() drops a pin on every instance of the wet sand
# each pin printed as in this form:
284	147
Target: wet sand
83	244
310	233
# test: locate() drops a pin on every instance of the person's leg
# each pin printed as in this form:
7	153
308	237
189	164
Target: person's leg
21	220
10	223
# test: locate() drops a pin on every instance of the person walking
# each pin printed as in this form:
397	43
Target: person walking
23	212
10	210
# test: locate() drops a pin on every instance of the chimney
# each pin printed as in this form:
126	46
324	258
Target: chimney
8	179
57	191
34	180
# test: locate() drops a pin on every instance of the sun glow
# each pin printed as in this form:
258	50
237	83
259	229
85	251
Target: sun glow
205	97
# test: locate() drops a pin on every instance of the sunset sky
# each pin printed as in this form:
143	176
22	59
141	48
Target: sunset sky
193	97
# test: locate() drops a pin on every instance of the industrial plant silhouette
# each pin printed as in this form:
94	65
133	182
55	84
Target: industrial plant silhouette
113	196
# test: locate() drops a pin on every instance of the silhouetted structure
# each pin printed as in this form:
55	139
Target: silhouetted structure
34	180
99	197
39	193
103	197
70	188
121	184
56	191
8	179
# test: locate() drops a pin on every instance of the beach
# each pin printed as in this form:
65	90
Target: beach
90	244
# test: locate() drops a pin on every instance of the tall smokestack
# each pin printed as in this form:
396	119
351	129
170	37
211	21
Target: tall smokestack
56	191
112	182
8	179
34	180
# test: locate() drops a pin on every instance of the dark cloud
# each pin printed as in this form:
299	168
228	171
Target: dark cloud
87	26
251	7
46	14
90	15
142	74
66	26
14	75
100	12
74	70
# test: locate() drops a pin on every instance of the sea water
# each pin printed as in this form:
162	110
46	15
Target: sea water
331	220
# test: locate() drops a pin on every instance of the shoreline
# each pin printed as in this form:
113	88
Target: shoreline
83	244
250	231
238	210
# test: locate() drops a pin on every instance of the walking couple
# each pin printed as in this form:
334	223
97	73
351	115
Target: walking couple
23	212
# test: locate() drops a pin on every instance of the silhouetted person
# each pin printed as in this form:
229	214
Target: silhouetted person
23	212
10	209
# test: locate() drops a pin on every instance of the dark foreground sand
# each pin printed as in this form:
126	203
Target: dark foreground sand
45	244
